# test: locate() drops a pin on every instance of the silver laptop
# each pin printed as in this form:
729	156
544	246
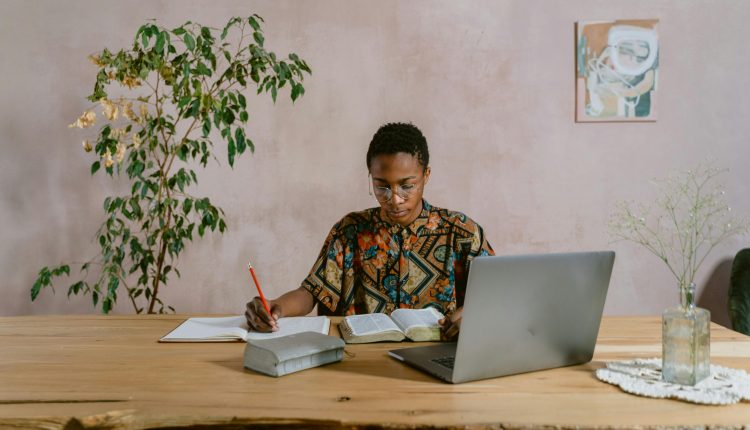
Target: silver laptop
522	313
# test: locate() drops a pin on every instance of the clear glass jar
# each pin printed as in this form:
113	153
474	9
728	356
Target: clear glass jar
686	341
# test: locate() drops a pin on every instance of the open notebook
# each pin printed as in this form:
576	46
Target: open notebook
227	329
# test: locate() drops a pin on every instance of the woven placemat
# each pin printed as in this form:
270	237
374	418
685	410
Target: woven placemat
725	386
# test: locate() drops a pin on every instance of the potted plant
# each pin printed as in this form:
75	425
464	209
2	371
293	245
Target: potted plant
688	220
178	92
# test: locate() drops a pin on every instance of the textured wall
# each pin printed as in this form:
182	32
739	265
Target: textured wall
491	84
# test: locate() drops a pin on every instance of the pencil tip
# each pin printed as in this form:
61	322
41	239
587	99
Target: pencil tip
249	265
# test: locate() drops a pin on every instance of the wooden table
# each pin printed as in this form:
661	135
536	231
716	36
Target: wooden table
72	372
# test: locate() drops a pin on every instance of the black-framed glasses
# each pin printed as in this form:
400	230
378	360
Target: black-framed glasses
384	194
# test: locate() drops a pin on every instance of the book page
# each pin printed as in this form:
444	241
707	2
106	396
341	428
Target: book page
370	323
292	325
208	329
409	318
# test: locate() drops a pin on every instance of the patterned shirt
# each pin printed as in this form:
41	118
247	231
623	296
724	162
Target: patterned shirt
369	265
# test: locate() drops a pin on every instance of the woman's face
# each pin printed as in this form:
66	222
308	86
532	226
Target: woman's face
398	182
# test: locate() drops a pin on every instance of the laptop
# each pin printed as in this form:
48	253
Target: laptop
522	313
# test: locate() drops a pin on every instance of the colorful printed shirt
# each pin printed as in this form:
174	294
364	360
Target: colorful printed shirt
370	265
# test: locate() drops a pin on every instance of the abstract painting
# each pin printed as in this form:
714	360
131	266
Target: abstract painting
617	69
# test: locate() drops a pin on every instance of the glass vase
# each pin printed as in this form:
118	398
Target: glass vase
685	341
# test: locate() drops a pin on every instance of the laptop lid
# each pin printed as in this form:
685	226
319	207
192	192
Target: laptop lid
531	312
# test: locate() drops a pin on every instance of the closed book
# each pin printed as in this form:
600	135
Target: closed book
288	354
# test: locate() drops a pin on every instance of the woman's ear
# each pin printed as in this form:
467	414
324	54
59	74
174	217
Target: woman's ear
427	171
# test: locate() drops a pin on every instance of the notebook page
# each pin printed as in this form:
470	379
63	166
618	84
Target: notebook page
370	323
222	328
292	325
407	318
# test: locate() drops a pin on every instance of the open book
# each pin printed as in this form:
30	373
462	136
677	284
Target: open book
227	329
415	324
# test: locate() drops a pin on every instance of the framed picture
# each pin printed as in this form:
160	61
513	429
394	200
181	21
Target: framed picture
617	70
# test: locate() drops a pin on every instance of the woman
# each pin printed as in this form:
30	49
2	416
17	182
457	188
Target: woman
405	253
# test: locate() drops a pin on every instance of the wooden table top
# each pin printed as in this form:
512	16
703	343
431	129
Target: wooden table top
71	372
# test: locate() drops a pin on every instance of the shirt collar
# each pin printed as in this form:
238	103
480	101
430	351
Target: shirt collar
413	228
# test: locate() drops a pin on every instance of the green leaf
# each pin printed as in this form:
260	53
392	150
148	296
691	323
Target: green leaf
218	117
35	289
106	305
189	41
305	67
75	288
295	92
160	40
259	39
228	116
253	23
273	93
187	205
201	69
206	127
95	166
140	31
232	150
239	137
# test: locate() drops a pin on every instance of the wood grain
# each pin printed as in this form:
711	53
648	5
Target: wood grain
74	372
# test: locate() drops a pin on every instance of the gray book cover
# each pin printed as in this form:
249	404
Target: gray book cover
288	354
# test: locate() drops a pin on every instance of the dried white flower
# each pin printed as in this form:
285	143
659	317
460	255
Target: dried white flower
87	119
108	162
111	110
684	225
120	154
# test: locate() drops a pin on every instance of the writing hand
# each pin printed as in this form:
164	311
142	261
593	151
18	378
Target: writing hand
257	317
449	326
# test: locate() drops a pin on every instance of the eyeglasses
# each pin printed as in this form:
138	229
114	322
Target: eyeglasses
384	194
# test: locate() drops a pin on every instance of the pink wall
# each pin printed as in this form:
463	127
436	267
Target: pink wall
491	84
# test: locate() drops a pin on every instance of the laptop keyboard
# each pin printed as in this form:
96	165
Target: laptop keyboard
445	361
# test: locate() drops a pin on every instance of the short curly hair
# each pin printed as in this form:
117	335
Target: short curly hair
396	137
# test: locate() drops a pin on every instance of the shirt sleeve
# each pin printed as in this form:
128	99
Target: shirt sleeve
330	279
465	252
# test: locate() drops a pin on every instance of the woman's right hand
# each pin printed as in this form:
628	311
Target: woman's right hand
257	317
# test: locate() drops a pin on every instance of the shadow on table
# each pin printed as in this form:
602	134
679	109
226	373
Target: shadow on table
381	366
384	367
236	365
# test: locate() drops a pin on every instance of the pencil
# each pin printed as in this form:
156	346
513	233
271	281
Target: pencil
260	292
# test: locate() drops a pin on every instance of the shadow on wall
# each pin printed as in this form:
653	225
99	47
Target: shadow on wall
714	295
